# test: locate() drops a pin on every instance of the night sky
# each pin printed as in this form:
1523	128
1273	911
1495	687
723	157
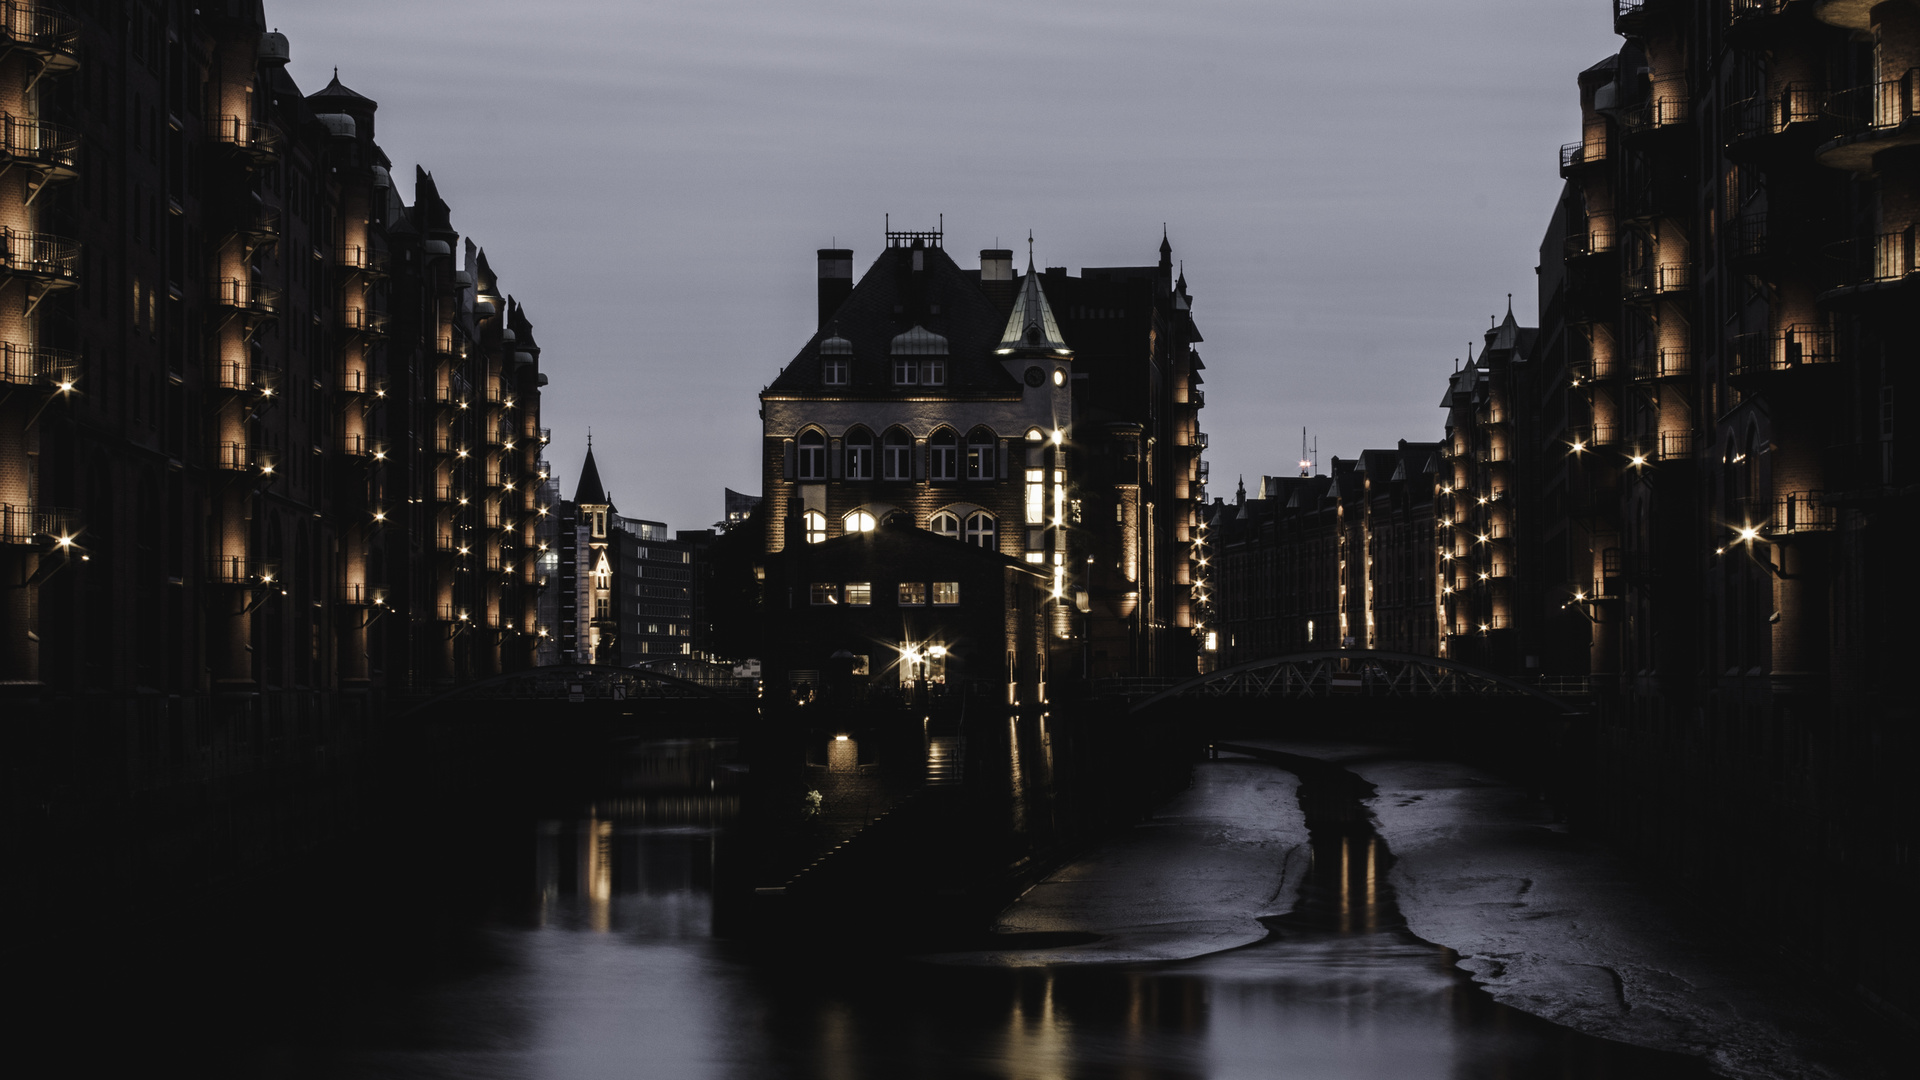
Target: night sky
1353	188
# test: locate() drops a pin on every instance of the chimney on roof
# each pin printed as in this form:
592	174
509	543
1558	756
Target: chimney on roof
996	276
836	280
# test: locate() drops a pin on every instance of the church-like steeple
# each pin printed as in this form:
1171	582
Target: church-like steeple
590	492
1032	325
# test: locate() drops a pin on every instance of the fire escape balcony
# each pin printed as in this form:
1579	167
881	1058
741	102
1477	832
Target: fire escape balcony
359	382
28	365
363	447
1677	445
1657	114
1753	245
1798	512
37	526
1866	120
1882	266
51	38
242	570
1779	353
241	296
354	259
239	457
362	322
1575	156
48	152
44	261
1776	125
353	593
1670	279
255	140
1669	363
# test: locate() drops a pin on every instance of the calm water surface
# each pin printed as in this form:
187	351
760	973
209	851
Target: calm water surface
580	947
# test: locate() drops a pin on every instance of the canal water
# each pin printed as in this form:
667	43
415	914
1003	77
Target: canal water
578	945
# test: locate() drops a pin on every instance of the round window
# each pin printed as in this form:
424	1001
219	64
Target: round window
1035	376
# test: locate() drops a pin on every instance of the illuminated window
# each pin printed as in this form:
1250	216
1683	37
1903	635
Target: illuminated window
859	454
944	524
1036	496
980	459
896	455
813	456
860	593
859	521
913	593
815	524
943	455
980	531
825	593
946	592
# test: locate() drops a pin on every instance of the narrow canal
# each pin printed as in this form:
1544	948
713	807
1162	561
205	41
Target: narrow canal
580	944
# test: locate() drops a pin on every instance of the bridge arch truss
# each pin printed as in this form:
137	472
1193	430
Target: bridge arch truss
1347	672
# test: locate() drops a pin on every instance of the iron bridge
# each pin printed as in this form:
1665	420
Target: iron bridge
1344	672
579	683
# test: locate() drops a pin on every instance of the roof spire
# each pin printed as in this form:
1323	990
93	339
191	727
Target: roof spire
1029	251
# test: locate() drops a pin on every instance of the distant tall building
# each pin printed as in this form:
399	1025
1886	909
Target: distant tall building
626	586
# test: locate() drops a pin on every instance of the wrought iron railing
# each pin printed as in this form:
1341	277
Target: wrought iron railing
45	30
358	259
1673	277
1786	349
42	255
245	134
245	294
1871	259
1888	103
1803	512
30	525
241	570
38	142
235	456
1772	114
24	365
1676	445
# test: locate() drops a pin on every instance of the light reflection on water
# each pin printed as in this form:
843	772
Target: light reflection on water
611	971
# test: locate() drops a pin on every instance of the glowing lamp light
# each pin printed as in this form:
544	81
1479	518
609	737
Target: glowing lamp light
1483	628
1637	460
463	616
1748	534
937	651
379	515
267	469
839	738
1483	500
379	393
460	453
379	455
1579	445
463	404
63	541
66	386
465	551
1058	437
1580	597
1480	538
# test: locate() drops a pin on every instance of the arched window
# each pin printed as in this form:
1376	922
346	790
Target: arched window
858	521
813	455
980	531
896	454
943	455
815	524
859	454
944	524
980	456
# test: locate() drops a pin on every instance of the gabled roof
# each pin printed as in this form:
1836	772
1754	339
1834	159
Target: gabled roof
892	301
1032	325
336	93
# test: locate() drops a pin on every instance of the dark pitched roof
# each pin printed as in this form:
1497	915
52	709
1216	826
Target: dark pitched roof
338	92
891	299
590	489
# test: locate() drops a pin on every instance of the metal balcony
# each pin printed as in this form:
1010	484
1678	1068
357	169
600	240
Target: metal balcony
249	137
363	322
1585	239
1756	23
50	37
45	260
1677	445
355	259
1866	120
234	457
49	151
1670	278
1778	123
1793	348
246	296
37	526
28	365
358	382
1874	263
1575	155
358	445
242	570
1802	512
353	593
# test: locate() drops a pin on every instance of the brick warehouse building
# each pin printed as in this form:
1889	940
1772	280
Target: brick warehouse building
269	442
1049	417
1693	480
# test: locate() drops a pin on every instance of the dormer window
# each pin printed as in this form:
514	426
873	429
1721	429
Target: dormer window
833	370
933	373
906	372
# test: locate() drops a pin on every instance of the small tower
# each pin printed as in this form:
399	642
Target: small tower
595	587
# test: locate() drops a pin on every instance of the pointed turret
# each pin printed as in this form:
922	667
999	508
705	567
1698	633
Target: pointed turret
590	492
1032	325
